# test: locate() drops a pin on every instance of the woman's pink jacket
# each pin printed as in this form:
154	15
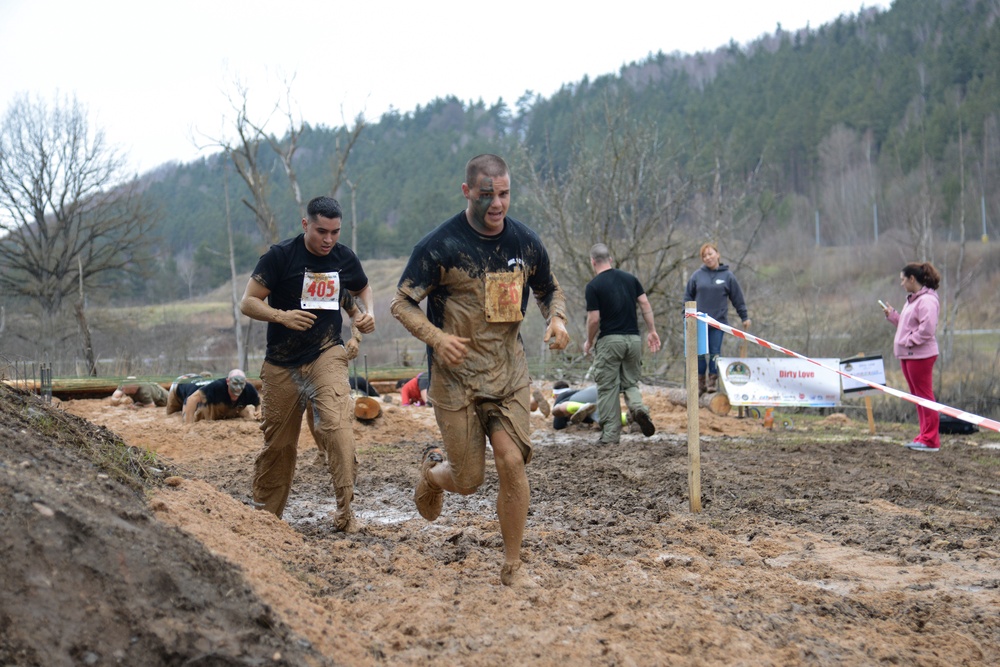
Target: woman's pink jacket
915	326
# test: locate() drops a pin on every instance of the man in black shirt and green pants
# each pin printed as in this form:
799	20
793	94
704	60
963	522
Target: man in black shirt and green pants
613	334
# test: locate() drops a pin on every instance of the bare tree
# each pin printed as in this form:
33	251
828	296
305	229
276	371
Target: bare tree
338	162
354	213
339	171
624	188
285	148
69	215
187	269
732	211
244	153
846	185
241	334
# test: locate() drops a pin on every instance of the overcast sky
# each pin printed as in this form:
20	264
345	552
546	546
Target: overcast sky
155	75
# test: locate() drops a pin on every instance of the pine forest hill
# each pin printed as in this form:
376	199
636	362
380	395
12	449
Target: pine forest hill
820	160
864	111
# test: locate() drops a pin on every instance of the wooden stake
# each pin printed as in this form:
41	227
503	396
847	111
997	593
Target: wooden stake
871	417
743	355
694	438
868	406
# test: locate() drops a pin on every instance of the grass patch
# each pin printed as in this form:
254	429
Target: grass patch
139	469
987	461
145	318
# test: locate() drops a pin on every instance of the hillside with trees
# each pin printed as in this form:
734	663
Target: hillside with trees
868	110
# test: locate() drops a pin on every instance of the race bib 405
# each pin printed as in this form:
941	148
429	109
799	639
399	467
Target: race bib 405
321	291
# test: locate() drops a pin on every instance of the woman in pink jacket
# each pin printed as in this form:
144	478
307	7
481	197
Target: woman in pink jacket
916	347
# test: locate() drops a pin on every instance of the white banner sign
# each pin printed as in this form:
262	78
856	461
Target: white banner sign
780	381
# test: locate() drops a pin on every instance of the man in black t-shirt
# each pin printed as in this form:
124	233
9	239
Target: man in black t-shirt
612	296
225	398
296	288
177	395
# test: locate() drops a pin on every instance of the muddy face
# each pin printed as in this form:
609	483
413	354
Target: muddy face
489	200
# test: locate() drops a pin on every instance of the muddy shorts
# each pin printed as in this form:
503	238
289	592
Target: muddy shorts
464	432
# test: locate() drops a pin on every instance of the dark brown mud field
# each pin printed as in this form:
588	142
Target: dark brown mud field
817	545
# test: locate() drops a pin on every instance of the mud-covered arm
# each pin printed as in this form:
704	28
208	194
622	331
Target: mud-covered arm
191	405
451	349
364	300
409	314
552	303
349	307
254	306
353	346
550	298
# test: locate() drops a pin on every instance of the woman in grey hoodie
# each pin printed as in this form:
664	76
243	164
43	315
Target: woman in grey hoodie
713	287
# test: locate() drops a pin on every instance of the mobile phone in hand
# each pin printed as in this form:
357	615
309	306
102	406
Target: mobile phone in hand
882	303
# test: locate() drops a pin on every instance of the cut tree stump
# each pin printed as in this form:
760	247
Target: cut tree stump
715	402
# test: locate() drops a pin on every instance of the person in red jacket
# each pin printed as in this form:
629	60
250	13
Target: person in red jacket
916	346
414	392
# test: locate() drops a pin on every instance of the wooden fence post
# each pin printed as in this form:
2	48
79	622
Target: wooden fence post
694	439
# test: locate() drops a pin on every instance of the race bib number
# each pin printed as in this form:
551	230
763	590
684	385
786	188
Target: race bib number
321	291
503	296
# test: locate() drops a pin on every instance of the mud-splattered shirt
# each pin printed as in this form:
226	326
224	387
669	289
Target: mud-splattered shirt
477	287
284	270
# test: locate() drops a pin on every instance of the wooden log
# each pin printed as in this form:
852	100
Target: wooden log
715	402
367	408
384	386
718	403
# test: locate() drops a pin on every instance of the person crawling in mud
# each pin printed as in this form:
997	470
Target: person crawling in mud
475	270
226	398
139	394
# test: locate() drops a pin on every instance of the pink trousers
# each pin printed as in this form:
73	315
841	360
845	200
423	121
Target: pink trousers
919	374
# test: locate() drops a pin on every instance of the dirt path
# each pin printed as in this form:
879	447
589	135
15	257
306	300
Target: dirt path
818	545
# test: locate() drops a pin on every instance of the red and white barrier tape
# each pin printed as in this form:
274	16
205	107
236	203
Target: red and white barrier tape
923	402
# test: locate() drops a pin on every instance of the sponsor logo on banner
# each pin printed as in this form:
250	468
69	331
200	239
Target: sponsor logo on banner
777	381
